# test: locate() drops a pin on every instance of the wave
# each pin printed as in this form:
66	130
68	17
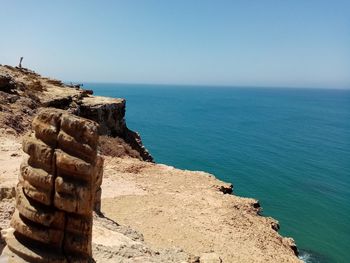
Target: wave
306	257
312	257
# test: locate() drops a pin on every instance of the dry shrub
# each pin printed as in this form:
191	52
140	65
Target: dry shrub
117	147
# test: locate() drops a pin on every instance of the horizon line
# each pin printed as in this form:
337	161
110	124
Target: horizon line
182	85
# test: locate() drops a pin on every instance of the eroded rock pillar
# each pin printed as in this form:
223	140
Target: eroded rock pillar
56	191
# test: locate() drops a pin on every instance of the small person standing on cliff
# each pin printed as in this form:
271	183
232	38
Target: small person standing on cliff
20	62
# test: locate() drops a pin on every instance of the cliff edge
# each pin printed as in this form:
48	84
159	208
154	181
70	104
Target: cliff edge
23	92
150	212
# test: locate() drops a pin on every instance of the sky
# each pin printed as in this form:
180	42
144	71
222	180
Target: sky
289	43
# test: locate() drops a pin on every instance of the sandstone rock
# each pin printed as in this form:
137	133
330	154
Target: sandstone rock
23	92
36	232
29	251
41	195
37	177
98	183
44	215
97	204
40	154
109	113
68	144
134	139
55	195
46	126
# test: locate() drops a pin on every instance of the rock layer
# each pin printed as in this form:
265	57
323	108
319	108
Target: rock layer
23	92
109	113
56	191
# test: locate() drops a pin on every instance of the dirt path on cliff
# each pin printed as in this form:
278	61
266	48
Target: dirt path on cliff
186	209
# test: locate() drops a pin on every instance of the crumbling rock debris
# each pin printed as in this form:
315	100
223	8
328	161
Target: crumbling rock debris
15	122
7	192
56	191
7	83
225	188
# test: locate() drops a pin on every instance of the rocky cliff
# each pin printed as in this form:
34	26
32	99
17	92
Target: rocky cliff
184	216
23	92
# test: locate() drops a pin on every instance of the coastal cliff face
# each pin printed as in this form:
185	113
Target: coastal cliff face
184	216
23	92
110	114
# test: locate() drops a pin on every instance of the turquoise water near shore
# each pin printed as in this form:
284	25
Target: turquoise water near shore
288	148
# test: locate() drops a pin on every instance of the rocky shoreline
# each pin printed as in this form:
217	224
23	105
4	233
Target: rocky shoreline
184	216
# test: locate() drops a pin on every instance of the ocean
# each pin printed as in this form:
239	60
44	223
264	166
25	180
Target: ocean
288	148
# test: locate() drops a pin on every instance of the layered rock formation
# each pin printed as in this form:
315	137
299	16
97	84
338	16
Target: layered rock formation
110	113
56	190
23	92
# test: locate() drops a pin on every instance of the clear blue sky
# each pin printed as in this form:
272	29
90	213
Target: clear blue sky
247	42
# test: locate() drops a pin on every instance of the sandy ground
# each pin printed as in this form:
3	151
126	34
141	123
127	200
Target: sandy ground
111	242
172	207
182	215
10	157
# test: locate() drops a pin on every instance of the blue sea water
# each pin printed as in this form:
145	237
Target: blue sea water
288	148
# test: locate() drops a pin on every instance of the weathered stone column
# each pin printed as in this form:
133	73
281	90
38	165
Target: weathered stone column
56	192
